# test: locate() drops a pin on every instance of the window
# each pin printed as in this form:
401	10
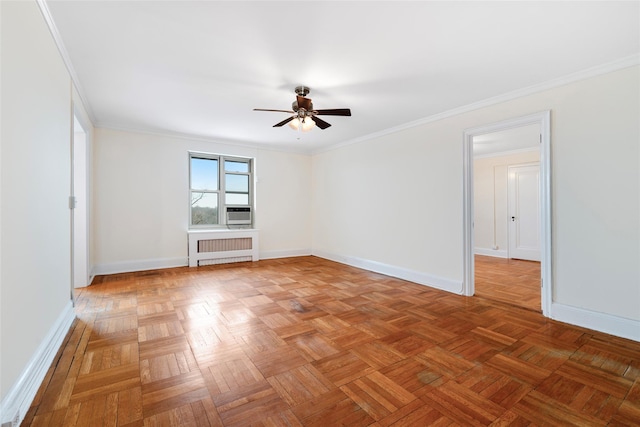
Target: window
217	182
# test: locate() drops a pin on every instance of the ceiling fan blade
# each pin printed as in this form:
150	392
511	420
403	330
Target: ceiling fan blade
334	112
284	122
320	123
278	111
304	102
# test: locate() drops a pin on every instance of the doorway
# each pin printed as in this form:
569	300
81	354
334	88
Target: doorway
79	207
507	216
487	230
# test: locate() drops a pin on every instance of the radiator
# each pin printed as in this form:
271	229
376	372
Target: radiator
222	247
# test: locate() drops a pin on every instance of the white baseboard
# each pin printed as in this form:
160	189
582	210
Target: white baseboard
155	264
419	277
607	323
498	253
92	274
285	253
19	398
139	265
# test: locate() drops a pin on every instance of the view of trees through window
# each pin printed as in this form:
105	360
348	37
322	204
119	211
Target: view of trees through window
217	182
204	209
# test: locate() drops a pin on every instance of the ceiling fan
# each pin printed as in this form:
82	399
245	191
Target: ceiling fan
304	116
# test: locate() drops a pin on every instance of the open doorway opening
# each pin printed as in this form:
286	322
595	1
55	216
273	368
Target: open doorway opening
490	246
80	211
506	197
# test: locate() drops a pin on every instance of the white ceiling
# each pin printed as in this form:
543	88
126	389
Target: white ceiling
199	68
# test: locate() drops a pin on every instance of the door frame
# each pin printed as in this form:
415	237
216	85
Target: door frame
543	119
79	119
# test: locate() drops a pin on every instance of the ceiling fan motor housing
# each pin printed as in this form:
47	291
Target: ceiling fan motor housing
302	91
301	111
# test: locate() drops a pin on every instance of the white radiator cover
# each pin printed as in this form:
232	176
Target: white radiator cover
207	247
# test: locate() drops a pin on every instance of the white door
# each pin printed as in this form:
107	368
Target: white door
524	212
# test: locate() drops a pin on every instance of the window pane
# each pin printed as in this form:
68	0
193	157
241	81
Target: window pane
204	174
230	166
237	183
236	199
204	208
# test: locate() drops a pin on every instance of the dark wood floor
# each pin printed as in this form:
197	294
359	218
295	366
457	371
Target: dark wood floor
512	281
305	341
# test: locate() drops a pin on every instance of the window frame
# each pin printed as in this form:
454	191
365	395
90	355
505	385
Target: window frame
248	174
221	190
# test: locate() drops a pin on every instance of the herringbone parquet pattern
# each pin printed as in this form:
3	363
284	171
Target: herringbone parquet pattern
308	342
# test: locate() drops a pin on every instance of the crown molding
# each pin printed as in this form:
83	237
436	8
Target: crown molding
198	138
619	64
57	38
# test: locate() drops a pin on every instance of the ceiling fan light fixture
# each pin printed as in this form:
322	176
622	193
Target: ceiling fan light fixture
307	124
294	124
304	124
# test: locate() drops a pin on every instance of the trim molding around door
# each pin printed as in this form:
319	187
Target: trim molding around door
543	119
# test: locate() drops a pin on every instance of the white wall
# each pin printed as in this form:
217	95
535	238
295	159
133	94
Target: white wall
35	228
2	388
596	194
283	206
397	199
490	176
388	200
141	199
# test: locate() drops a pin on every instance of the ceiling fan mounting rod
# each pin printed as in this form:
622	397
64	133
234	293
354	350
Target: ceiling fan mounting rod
302	90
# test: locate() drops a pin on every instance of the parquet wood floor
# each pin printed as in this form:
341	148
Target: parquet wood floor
309	342
512	281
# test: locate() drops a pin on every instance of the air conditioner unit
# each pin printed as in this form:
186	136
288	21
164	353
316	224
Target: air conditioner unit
237	215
